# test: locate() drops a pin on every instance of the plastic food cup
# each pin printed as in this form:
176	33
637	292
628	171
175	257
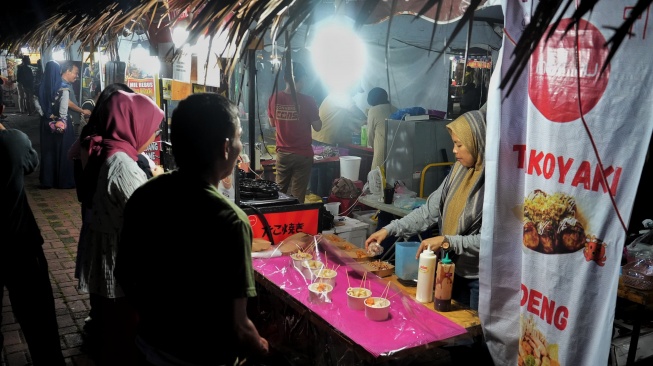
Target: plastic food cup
299	257
326	275
356	297
377	308
319	291
310	268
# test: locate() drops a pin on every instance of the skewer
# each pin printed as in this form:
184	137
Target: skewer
348	284
384	293
363	279
393	295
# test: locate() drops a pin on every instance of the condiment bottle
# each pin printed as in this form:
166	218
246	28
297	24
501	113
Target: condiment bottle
364	135
425	276
444	283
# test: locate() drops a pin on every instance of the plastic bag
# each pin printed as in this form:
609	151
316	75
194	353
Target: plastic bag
642	246
401	189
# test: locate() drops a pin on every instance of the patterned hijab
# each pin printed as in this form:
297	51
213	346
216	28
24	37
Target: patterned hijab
50	84
462	195
129	121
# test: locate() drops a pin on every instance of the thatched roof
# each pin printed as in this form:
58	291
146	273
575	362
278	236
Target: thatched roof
100	22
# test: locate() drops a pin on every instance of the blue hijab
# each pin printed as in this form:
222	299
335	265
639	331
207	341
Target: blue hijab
50	84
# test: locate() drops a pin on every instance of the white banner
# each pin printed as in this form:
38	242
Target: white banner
565	152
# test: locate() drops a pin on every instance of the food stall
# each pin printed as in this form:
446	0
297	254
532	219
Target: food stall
329	327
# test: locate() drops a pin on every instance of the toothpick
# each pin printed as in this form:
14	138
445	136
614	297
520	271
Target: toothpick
393	295
363	279
384	293
348	284
336	269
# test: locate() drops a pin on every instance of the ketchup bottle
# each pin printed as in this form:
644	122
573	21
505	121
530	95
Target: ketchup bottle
444	284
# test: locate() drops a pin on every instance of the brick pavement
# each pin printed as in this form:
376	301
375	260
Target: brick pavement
57	212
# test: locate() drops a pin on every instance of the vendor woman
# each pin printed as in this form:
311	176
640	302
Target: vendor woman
456	206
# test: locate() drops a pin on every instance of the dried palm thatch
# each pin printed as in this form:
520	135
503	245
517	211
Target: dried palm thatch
97	27
247	21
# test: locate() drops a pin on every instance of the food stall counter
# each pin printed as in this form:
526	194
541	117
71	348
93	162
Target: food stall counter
411	329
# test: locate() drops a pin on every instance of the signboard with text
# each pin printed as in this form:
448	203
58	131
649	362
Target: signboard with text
286	223
565	151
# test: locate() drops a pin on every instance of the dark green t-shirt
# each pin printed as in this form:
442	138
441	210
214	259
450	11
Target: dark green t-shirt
184	255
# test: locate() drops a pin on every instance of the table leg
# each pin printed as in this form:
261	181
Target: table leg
634	337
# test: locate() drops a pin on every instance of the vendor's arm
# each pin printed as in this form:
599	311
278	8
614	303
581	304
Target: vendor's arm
419	219
465	244
470	244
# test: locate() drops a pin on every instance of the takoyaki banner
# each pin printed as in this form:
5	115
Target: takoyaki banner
565	152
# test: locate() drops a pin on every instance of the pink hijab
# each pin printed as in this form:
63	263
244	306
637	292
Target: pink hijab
130	120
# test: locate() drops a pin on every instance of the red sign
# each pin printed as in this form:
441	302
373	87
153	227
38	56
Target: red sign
153	151
285	224
556	78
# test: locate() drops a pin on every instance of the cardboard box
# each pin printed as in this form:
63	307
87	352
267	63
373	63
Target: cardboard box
352	230
620	346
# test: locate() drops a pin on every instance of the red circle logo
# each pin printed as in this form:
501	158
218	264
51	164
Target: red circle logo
554	76
253	220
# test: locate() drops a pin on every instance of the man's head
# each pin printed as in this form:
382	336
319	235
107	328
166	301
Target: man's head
26	60
69	72
298	72
205	135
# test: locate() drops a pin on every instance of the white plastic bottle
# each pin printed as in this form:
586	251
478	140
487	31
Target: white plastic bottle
426	276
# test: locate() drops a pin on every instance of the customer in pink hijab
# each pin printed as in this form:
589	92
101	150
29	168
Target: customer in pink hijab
128	124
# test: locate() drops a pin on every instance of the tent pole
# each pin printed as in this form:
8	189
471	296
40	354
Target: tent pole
467	44
251	67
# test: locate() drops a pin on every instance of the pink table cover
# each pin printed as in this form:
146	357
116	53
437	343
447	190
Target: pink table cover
410	323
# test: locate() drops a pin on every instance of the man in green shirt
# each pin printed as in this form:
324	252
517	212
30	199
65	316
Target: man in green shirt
188	269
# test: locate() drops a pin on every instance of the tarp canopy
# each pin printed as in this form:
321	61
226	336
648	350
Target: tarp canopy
417	70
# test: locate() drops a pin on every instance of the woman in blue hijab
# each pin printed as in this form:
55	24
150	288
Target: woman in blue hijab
56	170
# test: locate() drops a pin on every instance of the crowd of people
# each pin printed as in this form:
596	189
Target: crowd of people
129	270
127	279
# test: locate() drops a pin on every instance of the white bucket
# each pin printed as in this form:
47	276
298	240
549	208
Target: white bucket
333	207
349	167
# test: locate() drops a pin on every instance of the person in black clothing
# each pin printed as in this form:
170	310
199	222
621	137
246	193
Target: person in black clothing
25	79
23	266
2	104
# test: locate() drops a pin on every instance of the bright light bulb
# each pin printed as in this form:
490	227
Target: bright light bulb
339	56
179	36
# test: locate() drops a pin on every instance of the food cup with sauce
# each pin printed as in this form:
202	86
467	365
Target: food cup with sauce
326	275
320	292
377	308
356	297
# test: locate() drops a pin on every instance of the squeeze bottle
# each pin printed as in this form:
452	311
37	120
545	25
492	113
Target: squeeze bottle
425	276
444	283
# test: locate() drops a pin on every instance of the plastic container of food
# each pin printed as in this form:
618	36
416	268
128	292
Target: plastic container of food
310	268
377	308
299	257
326	275
320	292
356	297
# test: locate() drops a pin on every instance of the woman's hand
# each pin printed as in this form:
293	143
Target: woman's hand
433	243
376	237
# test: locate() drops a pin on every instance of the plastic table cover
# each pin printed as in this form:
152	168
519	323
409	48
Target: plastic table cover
410	323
